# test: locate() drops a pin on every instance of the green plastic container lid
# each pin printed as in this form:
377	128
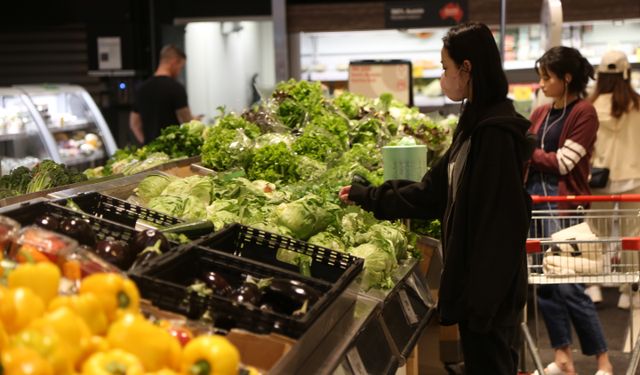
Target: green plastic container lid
404	162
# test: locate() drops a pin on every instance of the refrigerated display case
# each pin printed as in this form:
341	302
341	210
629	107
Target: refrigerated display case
81	136
24	138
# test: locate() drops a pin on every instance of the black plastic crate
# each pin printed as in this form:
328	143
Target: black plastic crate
327	265
119	211
166	282
28	212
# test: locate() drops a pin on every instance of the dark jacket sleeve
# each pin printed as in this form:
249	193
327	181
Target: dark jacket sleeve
396	199
498	221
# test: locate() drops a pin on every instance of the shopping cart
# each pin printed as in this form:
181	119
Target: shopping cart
597	246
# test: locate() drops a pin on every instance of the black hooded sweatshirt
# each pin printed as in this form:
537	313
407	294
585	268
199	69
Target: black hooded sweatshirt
484	277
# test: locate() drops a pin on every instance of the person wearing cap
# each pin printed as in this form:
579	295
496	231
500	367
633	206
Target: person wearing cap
618	108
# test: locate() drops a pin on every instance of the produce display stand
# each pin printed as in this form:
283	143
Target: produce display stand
84	185
360	332
357	344
406	308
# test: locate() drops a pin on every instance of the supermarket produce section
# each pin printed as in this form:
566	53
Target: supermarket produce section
235	228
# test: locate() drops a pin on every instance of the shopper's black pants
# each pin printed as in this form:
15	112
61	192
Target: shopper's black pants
492	353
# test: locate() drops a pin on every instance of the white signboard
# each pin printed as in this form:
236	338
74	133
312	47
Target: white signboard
371	79
109	53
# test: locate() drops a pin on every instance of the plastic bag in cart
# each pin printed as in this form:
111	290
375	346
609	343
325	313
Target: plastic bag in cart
569	258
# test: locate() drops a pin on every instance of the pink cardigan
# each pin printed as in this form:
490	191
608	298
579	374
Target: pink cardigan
578	133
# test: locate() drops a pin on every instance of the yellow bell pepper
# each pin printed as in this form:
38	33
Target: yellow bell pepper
96	344
69	327
248	370
153	345
42	278
88	307
24	361
164	371
210	355
49	346
4	338
7	307
113	362
22	306
116	293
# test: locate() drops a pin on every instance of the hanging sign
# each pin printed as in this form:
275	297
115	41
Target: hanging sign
372	78
432	13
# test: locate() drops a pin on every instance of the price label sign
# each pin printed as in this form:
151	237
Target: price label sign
407	309
355	361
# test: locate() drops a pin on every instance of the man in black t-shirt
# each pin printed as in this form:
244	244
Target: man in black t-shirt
161	100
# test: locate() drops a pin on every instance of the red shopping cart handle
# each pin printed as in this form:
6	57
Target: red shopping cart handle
631	243
587	198
535	246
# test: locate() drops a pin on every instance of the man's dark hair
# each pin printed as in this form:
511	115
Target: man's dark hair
474	42
171	51
565	60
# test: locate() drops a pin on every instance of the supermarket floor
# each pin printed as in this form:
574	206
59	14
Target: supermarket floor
614	320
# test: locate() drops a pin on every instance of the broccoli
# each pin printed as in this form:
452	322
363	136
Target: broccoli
47	174
17	180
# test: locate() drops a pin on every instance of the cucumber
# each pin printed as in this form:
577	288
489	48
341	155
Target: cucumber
190	229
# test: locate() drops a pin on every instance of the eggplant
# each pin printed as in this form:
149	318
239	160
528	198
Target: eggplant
248	292
47	221
289	296
266	307
217	283
148	238
149	253
115	252
79	230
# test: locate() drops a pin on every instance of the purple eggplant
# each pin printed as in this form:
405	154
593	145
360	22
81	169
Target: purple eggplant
115	252
217	283
247	293
290	297
47	221
148	254
79	230
148	238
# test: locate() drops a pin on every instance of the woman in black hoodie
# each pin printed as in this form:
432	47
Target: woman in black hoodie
476	190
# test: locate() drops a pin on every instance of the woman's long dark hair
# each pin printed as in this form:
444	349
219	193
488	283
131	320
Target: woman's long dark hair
623	97
474	42
565	60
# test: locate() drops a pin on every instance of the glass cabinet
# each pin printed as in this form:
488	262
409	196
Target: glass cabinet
80	135
24	138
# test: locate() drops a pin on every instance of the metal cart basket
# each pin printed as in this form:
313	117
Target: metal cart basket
598	246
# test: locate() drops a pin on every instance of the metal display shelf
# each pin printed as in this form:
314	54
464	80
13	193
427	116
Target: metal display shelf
406	308
16	136
120	186
88	185
76	160
71	126
358	344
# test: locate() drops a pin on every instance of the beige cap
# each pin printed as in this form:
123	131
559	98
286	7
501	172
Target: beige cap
615	62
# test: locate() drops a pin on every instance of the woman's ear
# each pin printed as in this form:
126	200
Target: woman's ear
567	78
466	66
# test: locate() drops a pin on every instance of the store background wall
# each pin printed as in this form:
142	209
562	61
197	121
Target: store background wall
303	15
221	63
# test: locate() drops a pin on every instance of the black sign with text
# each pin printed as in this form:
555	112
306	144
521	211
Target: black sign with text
426	13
